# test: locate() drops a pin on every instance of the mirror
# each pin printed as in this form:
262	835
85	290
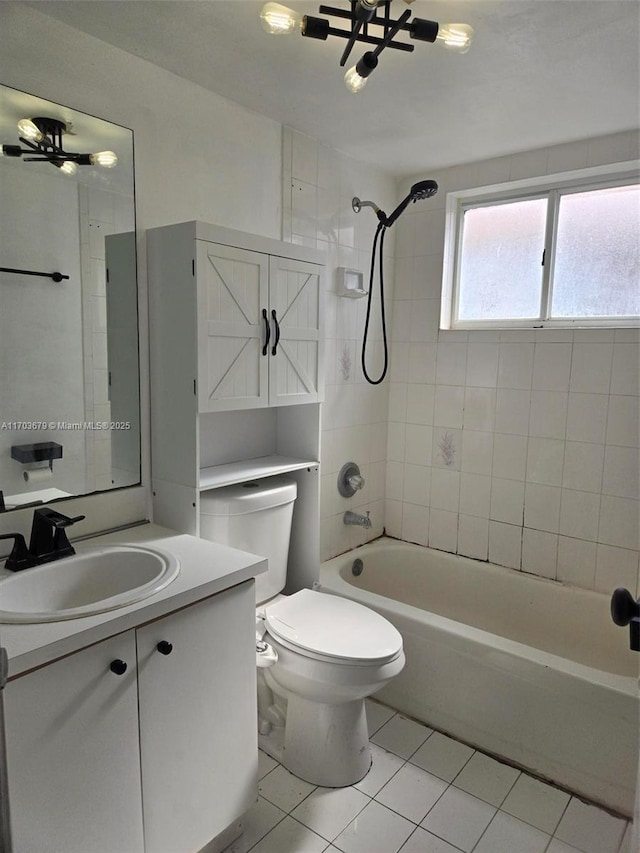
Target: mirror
69	366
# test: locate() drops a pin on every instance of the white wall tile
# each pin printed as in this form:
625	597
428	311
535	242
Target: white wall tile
475	494
587	418
507	501
545	458
576	562
512	411
477	451
443	530
579	514
417	484
625	372
615	567
539	552
449	406
505	544
515	366
482	365
623	421
510	456
473	537
418	441
619	522
479	408
552	367
415	523
445	489
451	363
548	414
620	475
583	465
420	403
591	368
542	507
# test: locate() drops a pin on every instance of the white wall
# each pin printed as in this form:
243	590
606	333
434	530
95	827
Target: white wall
543	424
318	186
197	156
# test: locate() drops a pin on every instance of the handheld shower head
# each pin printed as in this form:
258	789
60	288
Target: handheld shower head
423	189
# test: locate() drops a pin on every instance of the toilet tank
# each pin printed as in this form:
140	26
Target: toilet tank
256	517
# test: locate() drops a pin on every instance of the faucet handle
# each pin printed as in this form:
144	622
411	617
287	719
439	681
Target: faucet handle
19	558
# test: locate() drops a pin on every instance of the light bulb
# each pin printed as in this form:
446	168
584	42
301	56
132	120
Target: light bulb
103	158
30	130
279	19
353	81
456	37
68	167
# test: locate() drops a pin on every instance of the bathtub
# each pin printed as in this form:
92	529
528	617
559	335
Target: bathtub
521	667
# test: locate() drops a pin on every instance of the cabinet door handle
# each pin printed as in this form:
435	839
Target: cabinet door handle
267	331
277	325
164	647
118	666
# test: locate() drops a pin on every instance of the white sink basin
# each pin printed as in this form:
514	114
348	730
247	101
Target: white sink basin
93	581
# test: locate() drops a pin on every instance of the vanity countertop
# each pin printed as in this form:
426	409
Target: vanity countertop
206	568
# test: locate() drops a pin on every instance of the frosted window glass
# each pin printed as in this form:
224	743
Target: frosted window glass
500	270
597	261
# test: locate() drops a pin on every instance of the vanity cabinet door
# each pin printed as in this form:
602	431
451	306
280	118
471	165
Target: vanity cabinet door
296	306
233	289
72	754
198	727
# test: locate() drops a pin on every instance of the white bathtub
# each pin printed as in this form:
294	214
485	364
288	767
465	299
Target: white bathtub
522	667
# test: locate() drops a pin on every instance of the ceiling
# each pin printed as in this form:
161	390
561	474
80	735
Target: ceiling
539	73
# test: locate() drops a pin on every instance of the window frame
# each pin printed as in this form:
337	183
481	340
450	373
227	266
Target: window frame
553	188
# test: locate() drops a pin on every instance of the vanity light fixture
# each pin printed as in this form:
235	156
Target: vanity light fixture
43	138
368	26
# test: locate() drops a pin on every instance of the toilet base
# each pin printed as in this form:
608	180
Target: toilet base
326	745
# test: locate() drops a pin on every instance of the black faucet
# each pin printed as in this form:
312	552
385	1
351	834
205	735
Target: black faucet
48	540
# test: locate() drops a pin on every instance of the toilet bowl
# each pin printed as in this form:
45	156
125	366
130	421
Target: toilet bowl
318	655
331	654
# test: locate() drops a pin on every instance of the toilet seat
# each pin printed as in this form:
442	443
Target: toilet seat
330	628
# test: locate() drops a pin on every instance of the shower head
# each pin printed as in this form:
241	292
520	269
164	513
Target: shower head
423	189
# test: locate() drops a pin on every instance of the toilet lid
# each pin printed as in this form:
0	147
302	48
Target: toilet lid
333	626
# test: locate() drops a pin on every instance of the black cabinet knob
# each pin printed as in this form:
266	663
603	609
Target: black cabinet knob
118	666
164	647
624	607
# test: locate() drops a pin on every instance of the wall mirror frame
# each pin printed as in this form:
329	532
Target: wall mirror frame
69	349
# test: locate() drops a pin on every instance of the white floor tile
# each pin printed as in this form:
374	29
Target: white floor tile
486	778
283	789
424	842
377	715
412	792
328	811
289	836
536	803
383	766
442	756
459	818
558	846
401	736
265	764
505	834
375	830
628	840
259	820
590	829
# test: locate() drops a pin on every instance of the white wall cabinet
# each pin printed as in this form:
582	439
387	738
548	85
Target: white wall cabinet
258	329
236	342
159	758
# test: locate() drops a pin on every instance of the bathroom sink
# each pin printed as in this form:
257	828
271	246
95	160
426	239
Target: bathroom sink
92	581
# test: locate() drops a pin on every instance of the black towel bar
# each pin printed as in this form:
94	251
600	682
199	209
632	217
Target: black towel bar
56	276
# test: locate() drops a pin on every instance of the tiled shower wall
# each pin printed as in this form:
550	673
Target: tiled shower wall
520	447
318	186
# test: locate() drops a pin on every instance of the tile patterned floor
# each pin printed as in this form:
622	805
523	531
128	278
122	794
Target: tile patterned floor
425	793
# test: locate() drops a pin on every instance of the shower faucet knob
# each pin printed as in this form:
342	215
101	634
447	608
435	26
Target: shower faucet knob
625	610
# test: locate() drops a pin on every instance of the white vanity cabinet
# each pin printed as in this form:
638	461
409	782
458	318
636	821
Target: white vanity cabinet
159	758
72	754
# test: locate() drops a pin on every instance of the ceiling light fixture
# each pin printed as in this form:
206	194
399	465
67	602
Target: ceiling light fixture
366	26
43	138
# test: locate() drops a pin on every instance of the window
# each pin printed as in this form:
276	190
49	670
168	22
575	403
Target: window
561	251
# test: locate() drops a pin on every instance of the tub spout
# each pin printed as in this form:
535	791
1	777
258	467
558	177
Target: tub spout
357	519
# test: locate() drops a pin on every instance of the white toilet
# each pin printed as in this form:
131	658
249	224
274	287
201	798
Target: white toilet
327	653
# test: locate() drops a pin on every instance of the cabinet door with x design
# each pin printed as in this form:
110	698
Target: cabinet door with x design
259	321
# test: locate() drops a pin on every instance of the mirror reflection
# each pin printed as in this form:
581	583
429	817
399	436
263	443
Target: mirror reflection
69	369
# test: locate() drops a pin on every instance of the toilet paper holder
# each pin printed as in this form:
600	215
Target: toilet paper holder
32	455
